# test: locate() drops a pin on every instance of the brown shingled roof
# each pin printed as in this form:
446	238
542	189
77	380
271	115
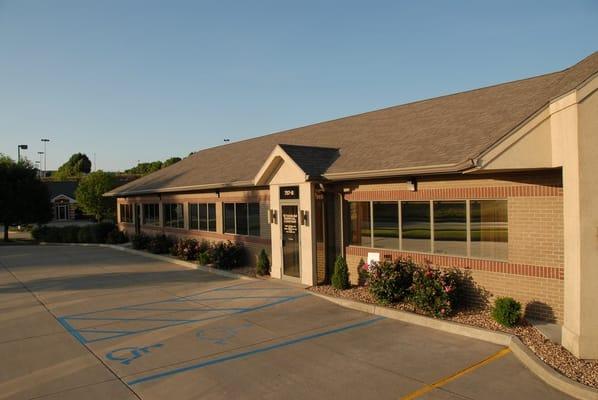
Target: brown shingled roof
444	131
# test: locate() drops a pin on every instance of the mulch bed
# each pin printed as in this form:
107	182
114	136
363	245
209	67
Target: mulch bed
553	354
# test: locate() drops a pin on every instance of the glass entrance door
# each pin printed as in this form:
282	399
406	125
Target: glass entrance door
290	240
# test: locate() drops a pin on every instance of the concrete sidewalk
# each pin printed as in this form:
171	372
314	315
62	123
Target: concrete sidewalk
95	323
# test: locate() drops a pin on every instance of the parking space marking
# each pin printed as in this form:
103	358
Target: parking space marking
91	335
428	388
245	354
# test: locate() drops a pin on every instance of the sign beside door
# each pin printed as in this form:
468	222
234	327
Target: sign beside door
290	240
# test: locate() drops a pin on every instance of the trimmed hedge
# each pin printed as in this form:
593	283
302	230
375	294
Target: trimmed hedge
104	232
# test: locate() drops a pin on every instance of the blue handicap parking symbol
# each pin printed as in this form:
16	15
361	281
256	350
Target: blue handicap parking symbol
126	355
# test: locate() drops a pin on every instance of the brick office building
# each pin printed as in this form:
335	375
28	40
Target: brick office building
500	181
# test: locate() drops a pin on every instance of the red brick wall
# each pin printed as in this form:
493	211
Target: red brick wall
533	272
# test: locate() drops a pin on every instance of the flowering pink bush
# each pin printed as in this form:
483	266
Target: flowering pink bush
390	281
433	290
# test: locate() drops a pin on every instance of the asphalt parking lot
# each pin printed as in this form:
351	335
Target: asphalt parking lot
97	323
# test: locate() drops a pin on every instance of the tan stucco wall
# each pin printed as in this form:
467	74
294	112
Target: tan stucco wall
576	117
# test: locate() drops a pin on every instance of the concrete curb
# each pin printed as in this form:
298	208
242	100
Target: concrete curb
521	351
549	375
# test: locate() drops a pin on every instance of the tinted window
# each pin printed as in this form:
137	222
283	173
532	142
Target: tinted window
450	227
229	217
151	214
489	229
360	224
203	217
415	219
193	216
254	219
386	225
212	217
241	218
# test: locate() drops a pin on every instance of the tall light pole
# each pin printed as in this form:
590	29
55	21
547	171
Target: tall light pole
40	162
19	147
45	141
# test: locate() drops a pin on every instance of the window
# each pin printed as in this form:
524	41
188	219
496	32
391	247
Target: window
202	216
242	218
415	220
360	224
254	219
450	227
173	215
489	229
487	236
126	213
229	218
151	214
386	225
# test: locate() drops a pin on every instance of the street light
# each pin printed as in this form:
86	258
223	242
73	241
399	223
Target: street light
40	161
45	141
19	147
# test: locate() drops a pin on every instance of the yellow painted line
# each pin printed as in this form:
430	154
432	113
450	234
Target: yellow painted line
456	375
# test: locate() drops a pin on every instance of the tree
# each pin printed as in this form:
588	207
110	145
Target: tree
170	161
24	199
89	194
76	166
149	167
340	277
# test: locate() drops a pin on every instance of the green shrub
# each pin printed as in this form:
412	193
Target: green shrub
390	281
84	235
263	264
340	277
204	246
431	291
506	311
204	258
159	244
228	255
95	233
99	232
185	249
38	232
69	234
362	272
116	236
140	241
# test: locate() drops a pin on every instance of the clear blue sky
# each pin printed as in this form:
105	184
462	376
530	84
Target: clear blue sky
147	80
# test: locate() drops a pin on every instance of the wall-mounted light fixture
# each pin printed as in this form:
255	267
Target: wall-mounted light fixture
412	184
272	216
304	217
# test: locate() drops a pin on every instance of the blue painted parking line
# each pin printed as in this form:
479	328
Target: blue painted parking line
251	352
91	335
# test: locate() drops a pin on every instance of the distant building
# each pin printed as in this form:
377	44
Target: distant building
62	197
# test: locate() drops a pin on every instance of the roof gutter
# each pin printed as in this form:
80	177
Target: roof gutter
463	166
209	186
384	173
